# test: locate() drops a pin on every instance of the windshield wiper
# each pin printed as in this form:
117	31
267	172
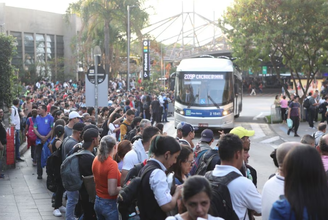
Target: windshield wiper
208	96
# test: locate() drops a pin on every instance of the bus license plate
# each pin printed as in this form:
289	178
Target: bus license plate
203	125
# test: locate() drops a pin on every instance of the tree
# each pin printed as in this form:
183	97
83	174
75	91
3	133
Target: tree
104	24
290	32
8	48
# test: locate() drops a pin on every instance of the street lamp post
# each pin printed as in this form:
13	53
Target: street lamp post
96	54
128	33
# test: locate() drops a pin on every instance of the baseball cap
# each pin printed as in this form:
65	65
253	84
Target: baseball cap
186	129
78	126
74	114
242	132
206	135
179	126
88	136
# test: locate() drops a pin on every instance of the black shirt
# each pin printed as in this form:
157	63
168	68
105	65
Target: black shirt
85	165
155	106
3	133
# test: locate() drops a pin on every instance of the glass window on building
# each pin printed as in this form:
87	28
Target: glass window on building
29	48
60	46
18	58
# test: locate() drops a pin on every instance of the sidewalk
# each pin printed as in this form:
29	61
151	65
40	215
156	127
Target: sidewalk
304	128
22	195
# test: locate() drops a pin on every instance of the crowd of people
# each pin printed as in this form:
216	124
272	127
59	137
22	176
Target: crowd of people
122	165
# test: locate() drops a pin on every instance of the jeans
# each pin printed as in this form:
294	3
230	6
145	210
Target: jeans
38	152
106	209
17	144
165	115
72	200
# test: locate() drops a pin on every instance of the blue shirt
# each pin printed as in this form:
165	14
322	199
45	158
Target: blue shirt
44	124
281	210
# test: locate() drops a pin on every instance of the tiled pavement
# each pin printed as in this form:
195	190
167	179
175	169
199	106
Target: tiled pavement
23	196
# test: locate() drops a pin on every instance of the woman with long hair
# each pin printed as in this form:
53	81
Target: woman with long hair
294	113
284	107
196	197
182	167
277	106
306	189
107	179
154	198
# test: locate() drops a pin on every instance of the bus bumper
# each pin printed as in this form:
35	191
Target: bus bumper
224	122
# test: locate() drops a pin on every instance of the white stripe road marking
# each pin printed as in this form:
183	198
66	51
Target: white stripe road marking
270	140
261	115
258	131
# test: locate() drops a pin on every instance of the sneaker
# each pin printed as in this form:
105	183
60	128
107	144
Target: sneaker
19	159
288	132
57	213
34	164
62	209
39	177
296	135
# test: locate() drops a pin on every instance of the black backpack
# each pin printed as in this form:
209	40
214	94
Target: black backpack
221	205
129	135
203	164
105	129
53	169
128	127
127	197
306	103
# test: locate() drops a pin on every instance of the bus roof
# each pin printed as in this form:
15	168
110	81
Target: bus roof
205	64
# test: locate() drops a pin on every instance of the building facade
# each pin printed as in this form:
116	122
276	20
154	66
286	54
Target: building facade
44	40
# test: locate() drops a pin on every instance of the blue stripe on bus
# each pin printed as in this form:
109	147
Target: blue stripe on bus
203	113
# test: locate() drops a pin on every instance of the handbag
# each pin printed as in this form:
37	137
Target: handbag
289	123
90	186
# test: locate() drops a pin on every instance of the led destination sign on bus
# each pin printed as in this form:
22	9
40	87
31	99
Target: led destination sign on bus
203	76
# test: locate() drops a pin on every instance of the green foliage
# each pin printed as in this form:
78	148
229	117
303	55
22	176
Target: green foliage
104	24
153	85
8	48
290	32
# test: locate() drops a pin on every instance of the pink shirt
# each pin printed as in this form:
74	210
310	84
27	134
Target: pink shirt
325	161
283	103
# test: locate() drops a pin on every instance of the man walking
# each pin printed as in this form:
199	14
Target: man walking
15	120
42	128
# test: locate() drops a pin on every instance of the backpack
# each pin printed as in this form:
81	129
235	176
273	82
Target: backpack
221	205
322	108
306	103
70	171
30	133
203	164
53	169
105	129
127	197
128	127
129	135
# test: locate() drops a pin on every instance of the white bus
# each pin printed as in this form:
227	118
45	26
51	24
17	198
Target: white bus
208	93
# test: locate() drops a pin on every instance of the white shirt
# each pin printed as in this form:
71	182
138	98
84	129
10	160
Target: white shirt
111	129
272	189
243	193
14	117
131	158
158	183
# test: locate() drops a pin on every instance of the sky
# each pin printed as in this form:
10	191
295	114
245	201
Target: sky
161	9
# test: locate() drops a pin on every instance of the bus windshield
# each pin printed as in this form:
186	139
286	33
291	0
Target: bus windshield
204	88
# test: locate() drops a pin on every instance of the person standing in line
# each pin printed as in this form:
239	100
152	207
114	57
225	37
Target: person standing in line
294	113
43	130
155	110
3	139
15	120
277	106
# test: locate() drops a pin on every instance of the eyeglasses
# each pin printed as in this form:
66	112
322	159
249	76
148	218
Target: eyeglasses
191	162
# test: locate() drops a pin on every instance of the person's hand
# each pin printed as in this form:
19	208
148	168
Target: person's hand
221	133
117	108
178	190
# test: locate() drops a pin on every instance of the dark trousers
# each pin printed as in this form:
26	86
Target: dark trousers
17	144
88	210
155	118
38	152
296	123
311	112
147	113
283	114
59	194
160	113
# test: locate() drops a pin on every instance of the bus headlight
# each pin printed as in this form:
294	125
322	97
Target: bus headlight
179	111
227	111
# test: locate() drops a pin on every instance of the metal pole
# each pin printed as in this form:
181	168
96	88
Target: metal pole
96	86
128	32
